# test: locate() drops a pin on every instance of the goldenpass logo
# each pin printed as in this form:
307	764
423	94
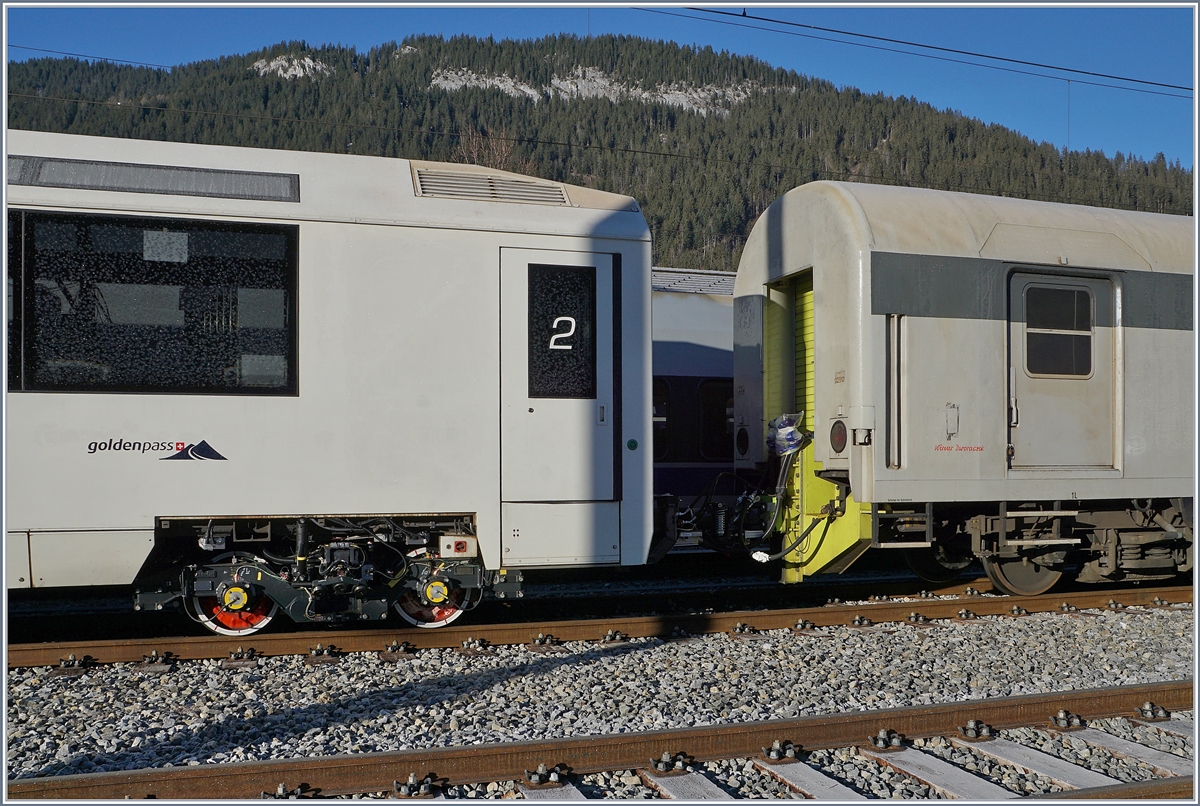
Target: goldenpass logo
201	450
182	450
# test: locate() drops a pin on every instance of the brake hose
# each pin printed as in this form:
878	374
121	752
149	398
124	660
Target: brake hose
763	557
780	487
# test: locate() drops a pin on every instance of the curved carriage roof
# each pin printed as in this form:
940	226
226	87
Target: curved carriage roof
224	180
848	218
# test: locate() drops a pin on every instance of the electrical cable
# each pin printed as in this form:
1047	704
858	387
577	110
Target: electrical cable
275	558
763	557
780	487
710	490
97	58
957	51
745	16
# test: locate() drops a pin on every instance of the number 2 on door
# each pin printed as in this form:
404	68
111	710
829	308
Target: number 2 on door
554	340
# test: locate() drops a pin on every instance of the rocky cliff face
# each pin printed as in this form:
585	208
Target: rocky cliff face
291	67
591	82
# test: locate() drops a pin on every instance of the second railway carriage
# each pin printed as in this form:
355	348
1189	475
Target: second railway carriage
693	382
259	380
693	396
971	376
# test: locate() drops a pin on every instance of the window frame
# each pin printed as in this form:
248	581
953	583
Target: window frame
541	340
1027	330
25	291
16	332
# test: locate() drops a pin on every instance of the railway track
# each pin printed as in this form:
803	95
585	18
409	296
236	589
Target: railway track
556	595
679	750
35	616
881	611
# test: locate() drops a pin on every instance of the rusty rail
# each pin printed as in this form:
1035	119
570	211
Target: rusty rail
375	772
198	647
1155	788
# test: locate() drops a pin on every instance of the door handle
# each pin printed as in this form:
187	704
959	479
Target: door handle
601	418
1014	414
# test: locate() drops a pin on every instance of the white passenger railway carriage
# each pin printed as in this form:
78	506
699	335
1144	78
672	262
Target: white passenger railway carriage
255	379
981	376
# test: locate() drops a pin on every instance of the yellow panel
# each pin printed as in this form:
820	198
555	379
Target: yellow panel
803	290
811	498
807	494
776	330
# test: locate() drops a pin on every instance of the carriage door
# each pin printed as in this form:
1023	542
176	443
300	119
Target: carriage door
557	486
1060	371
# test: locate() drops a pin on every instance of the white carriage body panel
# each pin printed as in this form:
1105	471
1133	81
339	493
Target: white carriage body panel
937	266
58	559
560	534
398	375
17	571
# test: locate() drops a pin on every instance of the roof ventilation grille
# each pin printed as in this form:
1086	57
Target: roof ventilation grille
692	282
172	180
488	187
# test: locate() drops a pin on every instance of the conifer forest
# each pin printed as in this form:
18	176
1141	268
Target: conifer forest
704	140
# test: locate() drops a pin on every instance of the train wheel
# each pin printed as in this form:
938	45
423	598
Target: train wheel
417	613
937	564
244	613
1020	576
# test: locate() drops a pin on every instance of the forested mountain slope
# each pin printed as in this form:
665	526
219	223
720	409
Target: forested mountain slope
704	140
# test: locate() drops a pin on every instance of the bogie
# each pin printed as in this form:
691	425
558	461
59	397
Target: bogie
422	568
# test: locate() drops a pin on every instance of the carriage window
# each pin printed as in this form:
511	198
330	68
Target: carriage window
118	304
14	300
662	407
562	331
716	419
1058	331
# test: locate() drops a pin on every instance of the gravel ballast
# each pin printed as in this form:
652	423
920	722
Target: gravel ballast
118	717
1005	775
1075	750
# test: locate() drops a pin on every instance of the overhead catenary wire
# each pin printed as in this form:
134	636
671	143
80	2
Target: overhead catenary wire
940	48
935	58
97	58
809	26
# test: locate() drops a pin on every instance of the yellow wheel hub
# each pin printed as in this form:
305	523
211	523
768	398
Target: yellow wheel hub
235	598
437	592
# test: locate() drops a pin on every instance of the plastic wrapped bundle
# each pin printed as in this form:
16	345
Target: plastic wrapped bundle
784	434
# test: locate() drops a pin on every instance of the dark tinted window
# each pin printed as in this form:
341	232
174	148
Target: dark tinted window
716	419
158	305
1059	354
1058	308
662	407
14	300
562	331
1058	328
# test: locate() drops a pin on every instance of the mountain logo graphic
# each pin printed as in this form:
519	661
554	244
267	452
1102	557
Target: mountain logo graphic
201	450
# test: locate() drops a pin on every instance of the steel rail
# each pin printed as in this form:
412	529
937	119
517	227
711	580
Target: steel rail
1155	788
201	647
376	772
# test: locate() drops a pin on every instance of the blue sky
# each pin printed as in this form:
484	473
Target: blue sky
1151	44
